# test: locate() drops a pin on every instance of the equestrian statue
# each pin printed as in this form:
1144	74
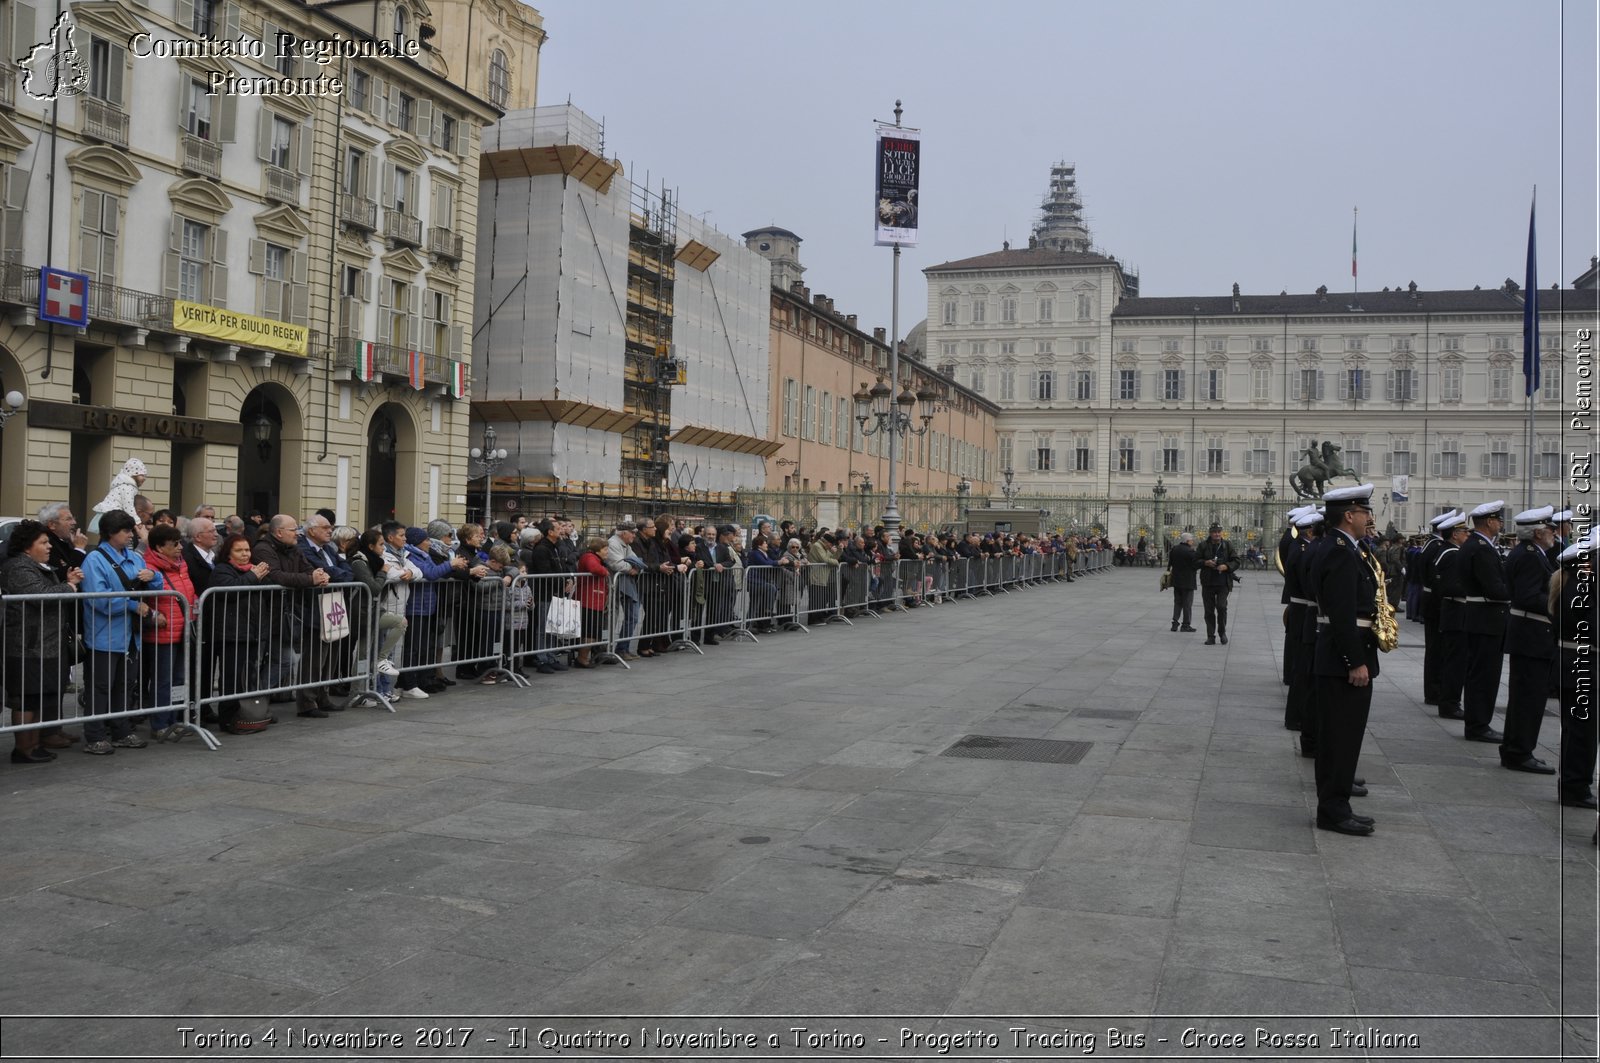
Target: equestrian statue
1321	467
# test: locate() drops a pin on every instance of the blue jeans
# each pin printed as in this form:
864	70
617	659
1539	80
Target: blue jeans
630	624
161	661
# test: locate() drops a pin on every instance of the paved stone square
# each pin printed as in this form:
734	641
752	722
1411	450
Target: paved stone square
770	830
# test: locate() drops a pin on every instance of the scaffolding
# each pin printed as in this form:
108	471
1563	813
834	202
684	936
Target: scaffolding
649	369
1060	226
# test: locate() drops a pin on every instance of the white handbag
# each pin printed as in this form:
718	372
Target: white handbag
565	619
335	616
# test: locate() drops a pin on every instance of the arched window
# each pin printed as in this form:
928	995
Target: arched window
399	27
499	79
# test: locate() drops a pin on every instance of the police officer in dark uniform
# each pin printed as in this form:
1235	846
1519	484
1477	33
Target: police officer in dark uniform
1296	648
1432	644
1530	641
1573	595
1562	523
1484	598
1346	654
1445	579
1289	546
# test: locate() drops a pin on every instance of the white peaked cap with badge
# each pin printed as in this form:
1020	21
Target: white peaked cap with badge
1358	493
1579	548
1564	517
1438	522
1307	519
1533	518
1452	520
1489	509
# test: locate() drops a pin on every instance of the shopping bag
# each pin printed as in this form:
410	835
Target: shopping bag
565	619
1166	579
335	616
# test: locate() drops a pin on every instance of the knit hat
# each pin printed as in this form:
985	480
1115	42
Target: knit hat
416	536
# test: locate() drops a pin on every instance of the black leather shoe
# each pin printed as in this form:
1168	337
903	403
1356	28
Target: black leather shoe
1345	826
1174	625
315	714
1358	790
1429	701
1452	714
1581	802
1368	820
1223	638
1211	640
1358	781
1309	754
1532	765
1189	629
1488	734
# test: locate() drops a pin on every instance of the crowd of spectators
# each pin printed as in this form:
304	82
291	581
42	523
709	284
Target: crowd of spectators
449	607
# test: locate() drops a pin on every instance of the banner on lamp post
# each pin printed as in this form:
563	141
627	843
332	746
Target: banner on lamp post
899	163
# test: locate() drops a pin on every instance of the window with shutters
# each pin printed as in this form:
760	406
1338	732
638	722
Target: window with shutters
1044	385
439	323
1260	459
1450	343
1044	346
858	440
825	413
1500	343
1211	384
1261	345
1355	343
949	350
1083	346
1128	385
1400	344
949	311
1400	461
1403	385
808	427
841	425
1216	455
791	407
1355	385
1008	384
281	149
978	350
1127	455
1172	385
197	115
1450	384
1085	307
275	266
1125	347
1171	454
1047	310
1005	452
105	71
975	377
1260	383
447	133
97	242
1549	382
1308	345
1547	462
980	307
1310	385
1171	346
1082	455
204	18
286	57
1083	385
499	79
1008	348
407	112
400	23
1217	346
1449	461
1499	464
355	172
194	261
1355	455
399	312
1500	383
404	192
350	284
361	91
1044	454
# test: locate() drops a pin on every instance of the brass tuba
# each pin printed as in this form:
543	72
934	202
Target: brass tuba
1384	625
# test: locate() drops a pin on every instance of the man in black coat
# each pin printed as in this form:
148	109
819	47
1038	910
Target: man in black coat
1530	643
1288	545
1297	649
1184	566
1218	560
1346	655
1432	643
200	552
1484	598
1444	577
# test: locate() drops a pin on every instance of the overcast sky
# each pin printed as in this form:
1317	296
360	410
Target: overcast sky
1215	142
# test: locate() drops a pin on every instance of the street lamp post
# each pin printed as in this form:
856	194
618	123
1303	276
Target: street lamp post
1009	488
12	407
490	459
964	497
893	414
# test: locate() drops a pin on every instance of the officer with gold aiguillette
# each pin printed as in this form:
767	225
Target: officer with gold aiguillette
1345	587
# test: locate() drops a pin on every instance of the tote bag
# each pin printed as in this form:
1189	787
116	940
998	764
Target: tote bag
335	616
565	619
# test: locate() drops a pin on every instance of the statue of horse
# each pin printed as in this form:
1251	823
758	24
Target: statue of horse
1313	477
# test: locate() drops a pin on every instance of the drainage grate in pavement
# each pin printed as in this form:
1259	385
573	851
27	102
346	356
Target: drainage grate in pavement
1109	714
1037	750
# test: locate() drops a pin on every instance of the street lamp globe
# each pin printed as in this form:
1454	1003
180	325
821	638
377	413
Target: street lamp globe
14	399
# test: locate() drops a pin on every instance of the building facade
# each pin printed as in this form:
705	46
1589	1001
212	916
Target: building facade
624	345
270	250
1104	393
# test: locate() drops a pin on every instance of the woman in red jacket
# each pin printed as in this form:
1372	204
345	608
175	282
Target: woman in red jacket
593	580
163	648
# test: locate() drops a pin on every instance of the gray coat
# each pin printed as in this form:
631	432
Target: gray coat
26	638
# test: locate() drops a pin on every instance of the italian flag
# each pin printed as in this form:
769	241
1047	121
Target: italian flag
458	380
417	380
366	364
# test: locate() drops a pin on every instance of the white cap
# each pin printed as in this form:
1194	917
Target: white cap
1533	518
1438	521
1497	508
1299	511
1358	493
1564	517
1452	521
1578	549
1306	520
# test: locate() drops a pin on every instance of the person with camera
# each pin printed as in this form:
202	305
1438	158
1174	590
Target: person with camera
1218	562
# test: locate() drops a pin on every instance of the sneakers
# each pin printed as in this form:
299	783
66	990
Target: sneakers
99	749
414	692
169	734
387	667
130	741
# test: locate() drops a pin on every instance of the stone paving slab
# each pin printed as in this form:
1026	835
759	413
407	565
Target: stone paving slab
771	828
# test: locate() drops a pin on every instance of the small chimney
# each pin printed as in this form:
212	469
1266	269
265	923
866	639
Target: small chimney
1412	288
819	299
880	334
798	287
1235	297
850	319
1512	286
1322	293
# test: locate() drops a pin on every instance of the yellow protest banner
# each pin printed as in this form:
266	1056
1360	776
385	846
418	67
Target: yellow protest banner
246	330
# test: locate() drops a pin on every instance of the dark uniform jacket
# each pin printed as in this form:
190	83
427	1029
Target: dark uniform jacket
1223	553
1303	562
1447	588
1347	590
1528	572
1294	593
1288	548
1430	591
1184	566
1481	576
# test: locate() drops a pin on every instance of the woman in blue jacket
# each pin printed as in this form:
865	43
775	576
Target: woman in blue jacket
111	628
422	614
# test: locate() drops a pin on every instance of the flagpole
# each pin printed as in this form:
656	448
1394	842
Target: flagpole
1530	343
1355	282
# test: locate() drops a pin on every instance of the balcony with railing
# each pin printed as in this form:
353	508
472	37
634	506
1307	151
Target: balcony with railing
201	156
8	84
402	228
444	243
387	361
282	186
108	304
358	212
105	121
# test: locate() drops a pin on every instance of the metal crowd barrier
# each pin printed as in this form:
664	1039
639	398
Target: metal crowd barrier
542	643
101	686
457	622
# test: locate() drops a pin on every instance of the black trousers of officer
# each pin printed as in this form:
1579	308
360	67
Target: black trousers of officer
1482	682
1341	716
1215	601
1297	703
1580	738
1530	678
1433	652
1452	669
1290	638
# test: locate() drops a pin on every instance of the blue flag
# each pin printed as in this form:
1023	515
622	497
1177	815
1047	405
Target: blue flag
1530	312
